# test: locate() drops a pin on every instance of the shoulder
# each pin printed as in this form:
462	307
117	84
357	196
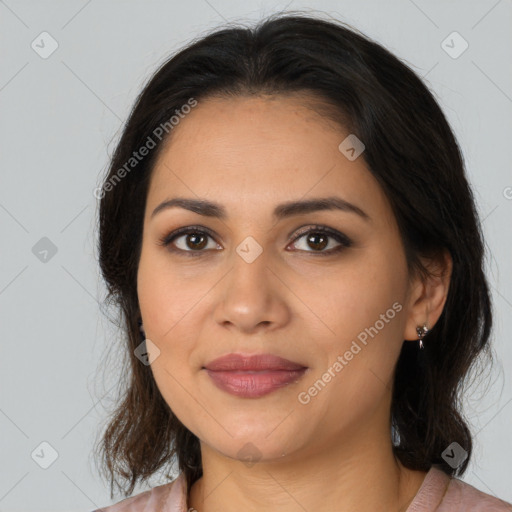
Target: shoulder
172	495
464	497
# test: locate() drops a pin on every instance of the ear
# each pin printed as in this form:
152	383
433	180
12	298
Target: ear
427	296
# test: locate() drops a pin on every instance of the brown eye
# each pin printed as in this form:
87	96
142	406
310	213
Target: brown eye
196	241
189	241
318	238
317	241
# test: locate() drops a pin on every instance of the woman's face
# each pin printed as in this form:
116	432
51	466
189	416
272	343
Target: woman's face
257	283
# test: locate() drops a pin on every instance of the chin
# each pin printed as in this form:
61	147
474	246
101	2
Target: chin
257	443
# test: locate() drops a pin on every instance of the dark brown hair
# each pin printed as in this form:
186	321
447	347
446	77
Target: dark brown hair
411	151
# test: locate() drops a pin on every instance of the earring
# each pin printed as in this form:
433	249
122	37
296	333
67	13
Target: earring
422	331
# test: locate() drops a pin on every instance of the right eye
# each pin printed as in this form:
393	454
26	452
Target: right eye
195	239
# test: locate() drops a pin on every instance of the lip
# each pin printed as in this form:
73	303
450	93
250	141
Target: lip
255	362
253	376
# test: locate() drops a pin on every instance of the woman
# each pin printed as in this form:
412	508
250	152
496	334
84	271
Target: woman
287	228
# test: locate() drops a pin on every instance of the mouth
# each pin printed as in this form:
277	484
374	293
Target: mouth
253	376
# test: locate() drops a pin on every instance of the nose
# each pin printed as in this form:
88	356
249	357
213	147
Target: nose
251	297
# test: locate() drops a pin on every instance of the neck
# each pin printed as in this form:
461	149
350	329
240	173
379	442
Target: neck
360	474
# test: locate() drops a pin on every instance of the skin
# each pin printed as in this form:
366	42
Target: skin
335	452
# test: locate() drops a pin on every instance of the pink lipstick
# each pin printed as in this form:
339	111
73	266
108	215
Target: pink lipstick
254	375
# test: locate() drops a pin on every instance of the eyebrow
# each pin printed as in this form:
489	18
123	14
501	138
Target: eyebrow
281	211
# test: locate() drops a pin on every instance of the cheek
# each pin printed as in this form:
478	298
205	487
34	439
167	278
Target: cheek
165	297
173	309
360	307
355	296
167	309
366	320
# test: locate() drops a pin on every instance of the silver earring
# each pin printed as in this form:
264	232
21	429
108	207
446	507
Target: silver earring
421	331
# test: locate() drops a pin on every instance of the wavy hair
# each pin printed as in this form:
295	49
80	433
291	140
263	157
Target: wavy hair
409	148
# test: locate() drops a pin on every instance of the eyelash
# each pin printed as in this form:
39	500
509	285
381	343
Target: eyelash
339	237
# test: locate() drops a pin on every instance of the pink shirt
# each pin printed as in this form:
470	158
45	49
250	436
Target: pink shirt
438	493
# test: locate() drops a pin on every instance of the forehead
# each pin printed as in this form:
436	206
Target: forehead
252	150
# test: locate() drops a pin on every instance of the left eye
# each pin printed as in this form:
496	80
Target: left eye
316	237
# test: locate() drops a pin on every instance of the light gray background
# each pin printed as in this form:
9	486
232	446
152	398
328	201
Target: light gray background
59	121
